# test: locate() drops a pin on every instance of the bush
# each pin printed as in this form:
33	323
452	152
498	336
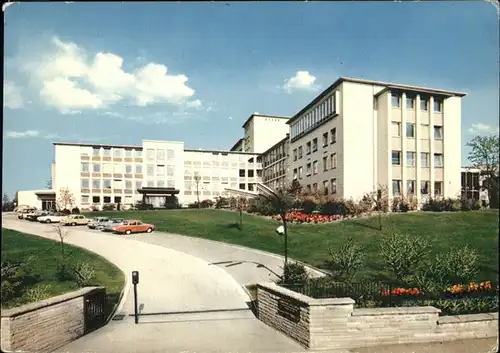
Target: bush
38	293
345	261
193	205
75	210
84	274
64	271
261	206
469	204
15	277
404	255
108	207
171	203
458	265
448	205
66	211
333	207
206	203
142	206
294	273
94	208
309	203
221	202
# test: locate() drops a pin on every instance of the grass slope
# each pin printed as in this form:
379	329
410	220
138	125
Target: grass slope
18	246
309	242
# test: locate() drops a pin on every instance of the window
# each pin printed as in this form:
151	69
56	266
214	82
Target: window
96	167
410	159
150	154
333	185
308	148
138	153
128	184
96	199
242	173
106	184
128	153
117	184
84	183
128	169
295	154
424	131
107	199
250	173
325	164
138	168
295	173
396	158
96	184
300	172
138	185
396	129
117	152
424	160
438	188
160	155
424	187
85	167
170	170
333	158
396	187
160	170
438	160
300	152
438	132
325	139
150	183
333	135
410	187
161	183
170	155
437	105
106	168
242	186
308	169
118	168
96	151
315	167
424	104
107	152
85	199
410	103
150	170
395	101
118	199
315	187
315	145
325	187
410	130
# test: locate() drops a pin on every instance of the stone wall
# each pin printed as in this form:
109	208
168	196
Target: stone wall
46	325
335	324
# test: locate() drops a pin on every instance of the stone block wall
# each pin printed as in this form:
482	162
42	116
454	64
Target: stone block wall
335	324
46	325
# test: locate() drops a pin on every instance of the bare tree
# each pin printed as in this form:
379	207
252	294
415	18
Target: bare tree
197	180
380	199
48	184
241	204
66	200
62	233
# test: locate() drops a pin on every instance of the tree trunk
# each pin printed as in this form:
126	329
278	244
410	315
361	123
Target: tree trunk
241	218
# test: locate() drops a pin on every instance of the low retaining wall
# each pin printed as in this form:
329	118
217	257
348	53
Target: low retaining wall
333	323
46	325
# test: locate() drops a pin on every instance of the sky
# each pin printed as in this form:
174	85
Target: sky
117	73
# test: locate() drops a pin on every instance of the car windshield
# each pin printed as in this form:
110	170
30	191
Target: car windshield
117	220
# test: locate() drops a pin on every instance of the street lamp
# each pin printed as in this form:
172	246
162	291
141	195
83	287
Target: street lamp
270	195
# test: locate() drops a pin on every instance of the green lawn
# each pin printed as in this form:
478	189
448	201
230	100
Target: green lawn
309	242
19	247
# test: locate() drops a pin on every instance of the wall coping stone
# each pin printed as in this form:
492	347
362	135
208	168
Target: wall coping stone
456	319
273	287
396	311
23	309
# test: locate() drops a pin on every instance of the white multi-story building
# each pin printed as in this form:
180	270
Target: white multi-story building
358	134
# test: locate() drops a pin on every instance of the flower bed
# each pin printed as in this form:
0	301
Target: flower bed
316	217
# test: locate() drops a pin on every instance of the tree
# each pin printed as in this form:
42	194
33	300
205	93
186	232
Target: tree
197	180
380	199
7	204
61	233
66	200
484	155
48	184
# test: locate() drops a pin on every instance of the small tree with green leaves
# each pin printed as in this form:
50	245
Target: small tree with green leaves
380	200
65	200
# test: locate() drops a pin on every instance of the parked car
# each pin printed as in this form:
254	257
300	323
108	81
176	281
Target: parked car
25	211
108	226
96	222
74	220
133	226
35	214
51	218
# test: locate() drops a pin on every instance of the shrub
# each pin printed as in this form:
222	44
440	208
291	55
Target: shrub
108	207
404	254
333	207
84	274
66	211
458	265
221	202
262	206
469	204
15	277
294	273
38	293
449	205
309	203
345	261
206	203
171	203
94	208
141	206
64	271
75	210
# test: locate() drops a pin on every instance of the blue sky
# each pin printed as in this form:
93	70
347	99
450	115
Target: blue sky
92	72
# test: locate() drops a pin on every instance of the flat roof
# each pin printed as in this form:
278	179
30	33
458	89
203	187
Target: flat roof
219	151
237	144
95	145
152	191
388	85
263	116
277	144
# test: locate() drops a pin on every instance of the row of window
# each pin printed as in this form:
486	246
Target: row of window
107	199
111	168
329	186
118	184
221	164
411	187
312	146
329	162
314	117
115	152
424	159
410	130
410	103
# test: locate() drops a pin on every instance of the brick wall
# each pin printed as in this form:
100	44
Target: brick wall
335	324
46	325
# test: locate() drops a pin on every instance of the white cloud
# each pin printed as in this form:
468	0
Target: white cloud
21	134
481	128
71	78
12	95
196	104
302	80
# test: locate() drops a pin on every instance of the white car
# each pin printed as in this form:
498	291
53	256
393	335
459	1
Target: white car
51	218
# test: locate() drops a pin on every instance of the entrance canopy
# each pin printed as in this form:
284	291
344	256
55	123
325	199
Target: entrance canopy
155	191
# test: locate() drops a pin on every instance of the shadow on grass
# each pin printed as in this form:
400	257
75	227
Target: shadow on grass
233	226
364	225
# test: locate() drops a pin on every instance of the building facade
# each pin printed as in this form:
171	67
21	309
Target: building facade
359	134
472	185
275	164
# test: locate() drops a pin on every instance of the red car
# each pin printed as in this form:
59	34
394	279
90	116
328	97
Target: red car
133	226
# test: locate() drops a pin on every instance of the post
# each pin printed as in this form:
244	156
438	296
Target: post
135	281
285	233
